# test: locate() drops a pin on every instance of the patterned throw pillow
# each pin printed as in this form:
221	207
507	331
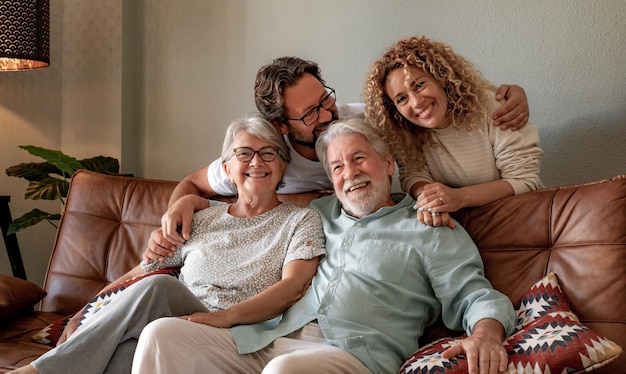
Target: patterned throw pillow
50	334
548	338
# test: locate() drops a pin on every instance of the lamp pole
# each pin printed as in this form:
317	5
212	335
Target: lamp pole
10	241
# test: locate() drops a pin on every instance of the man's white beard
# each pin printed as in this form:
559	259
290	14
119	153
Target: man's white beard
367	203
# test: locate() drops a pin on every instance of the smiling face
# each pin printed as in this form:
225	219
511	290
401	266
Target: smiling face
255	176
360	176
300	98
419	97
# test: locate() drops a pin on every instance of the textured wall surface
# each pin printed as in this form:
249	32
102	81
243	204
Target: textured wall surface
30	113
201	59
156	82
92	78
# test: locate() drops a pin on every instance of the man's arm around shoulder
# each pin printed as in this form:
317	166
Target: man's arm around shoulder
176	222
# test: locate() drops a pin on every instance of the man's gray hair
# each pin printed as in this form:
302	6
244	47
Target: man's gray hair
353	125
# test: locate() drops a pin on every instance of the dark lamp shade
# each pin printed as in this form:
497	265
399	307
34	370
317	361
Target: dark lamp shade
24	34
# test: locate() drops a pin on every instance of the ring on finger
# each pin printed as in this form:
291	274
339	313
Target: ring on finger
434	213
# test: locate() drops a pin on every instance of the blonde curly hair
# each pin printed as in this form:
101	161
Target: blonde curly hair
466	89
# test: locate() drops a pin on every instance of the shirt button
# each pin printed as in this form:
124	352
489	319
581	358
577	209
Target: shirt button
321	311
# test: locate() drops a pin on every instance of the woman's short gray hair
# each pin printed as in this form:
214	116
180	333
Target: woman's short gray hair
353	125
257	126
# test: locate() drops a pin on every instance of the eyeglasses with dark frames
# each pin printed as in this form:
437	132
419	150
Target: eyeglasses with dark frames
246	154
310	117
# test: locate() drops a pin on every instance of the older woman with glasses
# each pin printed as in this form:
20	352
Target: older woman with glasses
245	262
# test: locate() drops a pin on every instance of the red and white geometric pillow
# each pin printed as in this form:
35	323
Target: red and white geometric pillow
548	338
50	334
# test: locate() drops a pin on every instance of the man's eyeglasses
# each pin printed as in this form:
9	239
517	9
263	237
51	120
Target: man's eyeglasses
313	115
245	154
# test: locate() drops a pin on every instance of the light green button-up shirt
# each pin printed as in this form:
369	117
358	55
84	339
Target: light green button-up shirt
387	277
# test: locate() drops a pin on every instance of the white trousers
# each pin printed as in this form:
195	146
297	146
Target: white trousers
171	345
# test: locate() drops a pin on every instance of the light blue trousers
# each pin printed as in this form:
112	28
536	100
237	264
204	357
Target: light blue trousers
106	342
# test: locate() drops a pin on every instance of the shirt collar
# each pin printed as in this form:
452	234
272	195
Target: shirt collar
407	200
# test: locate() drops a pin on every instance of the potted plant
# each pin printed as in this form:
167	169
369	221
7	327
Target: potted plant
49	180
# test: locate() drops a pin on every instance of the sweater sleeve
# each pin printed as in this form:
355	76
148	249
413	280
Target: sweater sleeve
409	176
518	156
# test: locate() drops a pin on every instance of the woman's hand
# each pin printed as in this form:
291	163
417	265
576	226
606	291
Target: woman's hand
175	228
158	247
216	319
435	219
435	202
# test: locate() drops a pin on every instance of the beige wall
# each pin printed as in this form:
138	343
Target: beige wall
569	56
156	82
30	114
74	105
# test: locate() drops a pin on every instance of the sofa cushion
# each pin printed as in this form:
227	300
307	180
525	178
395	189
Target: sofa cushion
548	339
17	295
50	334
543	298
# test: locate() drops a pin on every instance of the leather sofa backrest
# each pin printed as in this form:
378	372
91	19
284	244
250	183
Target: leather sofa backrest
577	232
103	232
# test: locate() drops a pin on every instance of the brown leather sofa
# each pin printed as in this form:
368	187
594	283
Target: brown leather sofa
577	232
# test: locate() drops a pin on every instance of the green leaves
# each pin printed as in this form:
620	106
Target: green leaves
49	180
63	162
48	188
31	218
101	164
32	171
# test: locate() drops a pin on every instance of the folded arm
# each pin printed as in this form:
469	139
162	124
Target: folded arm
271	302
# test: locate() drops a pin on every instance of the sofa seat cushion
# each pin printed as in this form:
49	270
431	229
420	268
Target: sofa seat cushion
15	338
548	339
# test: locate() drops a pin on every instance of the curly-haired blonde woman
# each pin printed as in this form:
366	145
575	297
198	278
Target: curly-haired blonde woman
435	110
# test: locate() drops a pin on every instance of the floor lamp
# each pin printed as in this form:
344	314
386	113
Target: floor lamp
10	241
24	45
